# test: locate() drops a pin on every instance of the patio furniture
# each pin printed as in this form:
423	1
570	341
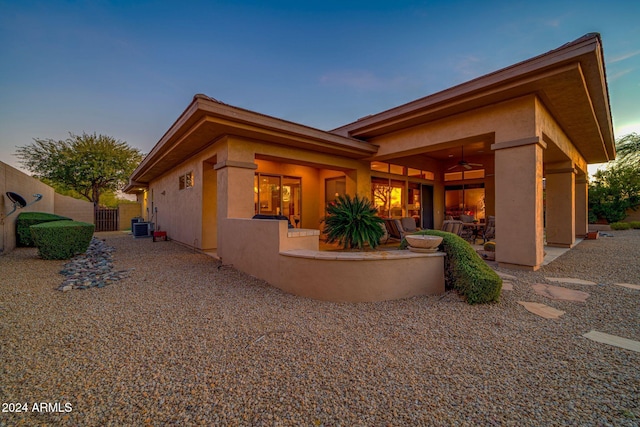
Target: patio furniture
467	218
452	226
472	230
385	234
394	228
489	232
409	225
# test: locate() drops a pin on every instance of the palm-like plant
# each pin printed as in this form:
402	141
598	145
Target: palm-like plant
353	222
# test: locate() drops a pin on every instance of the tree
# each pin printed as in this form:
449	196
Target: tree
628	147
89	164
616	188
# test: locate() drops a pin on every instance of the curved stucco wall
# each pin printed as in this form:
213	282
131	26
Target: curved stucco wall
291	261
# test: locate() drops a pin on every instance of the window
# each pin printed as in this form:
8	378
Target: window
186	181
465	199
401	170
278	195
458	176
388	196
334	187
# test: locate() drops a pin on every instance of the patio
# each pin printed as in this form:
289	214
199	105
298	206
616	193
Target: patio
184	340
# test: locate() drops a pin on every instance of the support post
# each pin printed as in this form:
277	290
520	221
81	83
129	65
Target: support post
518	203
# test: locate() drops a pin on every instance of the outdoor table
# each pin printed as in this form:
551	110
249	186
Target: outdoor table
476	227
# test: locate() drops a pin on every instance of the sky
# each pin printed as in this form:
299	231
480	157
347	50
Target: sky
128	69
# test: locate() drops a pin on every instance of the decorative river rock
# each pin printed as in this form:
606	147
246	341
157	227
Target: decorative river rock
93	269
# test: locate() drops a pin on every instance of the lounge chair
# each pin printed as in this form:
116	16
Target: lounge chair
394	228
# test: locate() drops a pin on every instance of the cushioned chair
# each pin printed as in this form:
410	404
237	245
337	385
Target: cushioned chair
489	232
452	226
466	218
409	225
394	228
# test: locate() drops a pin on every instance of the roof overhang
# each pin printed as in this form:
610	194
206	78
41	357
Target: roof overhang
570	81
206	120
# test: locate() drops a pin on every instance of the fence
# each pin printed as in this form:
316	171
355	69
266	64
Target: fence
106	219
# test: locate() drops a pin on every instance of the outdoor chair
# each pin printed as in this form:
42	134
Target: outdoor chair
409	225
489	232
385	233
466	218
452	226
394	228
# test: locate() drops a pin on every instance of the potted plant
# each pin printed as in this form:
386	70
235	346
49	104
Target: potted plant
488	251
353	222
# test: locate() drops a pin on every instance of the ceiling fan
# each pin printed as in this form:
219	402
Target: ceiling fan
464	163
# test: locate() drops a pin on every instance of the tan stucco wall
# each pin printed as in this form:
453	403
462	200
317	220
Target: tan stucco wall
126	212
179	212
76	209
263	249
509	120
519	213
11	179
632	215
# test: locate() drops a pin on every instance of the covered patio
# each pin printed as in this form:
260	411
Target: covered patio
521	138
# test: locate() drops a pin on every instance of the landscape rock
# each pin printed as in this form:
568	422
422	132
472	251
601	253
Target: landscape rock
94	268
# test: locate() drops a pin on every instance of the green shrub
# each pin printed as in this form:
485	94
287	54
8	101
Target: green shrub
62	239
635	224
465	271
490	246
353	222
26	220
620	225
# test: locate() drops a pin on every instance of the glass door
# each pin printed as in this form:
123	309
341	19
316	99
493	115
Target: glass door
291	199
278	195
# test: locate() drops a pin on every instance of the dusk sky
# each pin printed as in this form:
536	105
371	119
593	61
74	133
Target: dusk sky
128	69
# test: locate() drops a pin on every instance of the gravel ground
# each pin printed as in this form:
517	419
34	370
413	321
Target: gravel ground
181	342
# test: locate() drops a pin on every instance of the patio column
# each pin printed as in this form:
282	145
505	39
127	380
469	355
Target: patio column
582	205
561	206
235	189
518	202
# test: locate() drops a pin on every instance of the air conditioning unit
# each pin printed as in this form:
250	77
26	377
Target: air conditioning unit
136	220
141	229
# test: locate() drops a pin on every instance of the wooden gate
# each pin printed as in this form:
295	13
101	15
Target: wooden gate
106	219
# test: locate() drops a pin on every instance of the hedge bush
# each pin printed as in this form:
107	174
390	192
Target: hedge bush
26	220
62	239
465	271
620	225
635	224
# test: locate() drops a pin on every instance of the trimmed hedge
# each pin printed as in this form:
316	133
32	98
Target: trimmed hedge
62	239
465	271
620	225
635	224
26	220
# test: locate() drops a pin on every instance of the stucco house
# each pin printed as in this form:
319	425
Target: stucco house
482	148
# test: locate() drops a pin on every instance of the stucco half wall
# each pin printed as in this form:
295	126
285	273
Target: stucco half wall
290	260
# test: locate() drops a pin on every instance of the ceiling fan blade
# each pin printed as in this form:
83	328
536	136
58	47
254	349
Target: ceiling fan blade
475	164
467	166
453	167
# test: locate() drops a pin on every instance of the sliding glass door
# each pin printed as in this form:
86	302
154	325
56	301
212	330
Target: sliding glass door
278	195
